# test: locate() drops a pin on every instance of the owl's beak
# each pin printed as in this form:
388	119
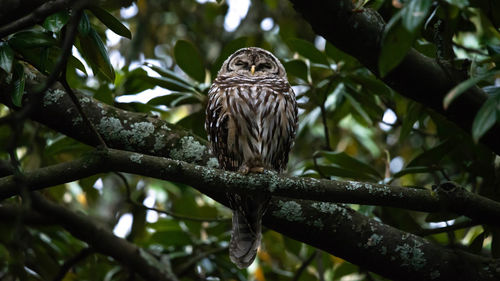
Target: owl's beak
252	69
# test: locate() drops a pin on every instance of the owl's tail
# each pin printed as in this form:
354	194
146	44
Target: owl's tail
247	229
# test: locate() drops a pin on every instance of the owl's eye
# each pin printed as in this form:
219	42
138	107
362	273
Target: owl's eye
262	66
240	63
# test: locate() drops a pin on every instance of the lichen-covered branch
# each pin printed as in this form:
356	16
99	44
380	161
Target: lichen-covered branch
217	182
417	77
103	241
328	226
99	238
120	129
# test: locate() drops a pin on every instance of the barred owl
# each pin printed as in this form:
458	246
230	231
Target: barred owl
251	119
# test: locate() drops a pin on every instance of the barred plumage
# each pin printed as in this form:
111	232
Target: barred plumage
251	123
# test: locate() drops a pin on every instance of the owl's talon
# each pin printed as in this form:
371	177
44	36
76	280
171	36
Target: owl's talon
258	170
244	169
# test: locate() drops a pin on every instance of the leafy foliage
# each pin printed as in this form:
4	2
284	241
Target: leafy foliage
345	129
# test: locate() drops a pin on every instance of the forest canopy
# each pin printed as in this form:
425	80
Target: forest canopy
106	172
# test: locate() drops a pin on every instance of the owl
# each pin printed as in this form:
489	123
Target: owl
251	120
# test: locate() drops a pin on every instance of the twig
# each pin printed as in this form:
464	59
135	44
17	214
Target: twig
36	16
78	106
168	213
63	270
182	269
470	50
103	241
455	226
304	265
325	126
62	63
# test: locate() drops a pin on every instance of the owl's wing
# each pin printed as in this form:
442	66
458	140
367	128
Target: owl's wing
289	120
217	125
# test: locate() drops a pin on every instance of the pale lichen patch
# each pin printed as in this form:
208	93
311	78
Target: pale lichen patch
190	150
373	240
165	127
110	126
85	100
213	163
139	131
289	210
160	142
52	97
331	208
318	224
77	120
136	157
383	250
412	256
435	274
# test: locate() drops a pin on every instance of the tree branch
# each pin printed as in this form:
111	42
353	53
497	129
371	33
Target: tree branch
34	17
417	77
448	196
98	237
103	241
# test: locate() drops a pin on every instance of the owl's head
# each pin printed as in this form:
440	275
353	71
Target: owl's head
253	62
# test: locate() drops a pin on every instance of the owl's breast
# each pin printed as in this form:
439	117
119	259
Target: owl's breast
258	123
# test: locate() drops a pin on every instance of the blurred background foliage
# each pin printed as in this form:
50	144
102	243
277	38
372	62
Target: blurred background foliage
159	58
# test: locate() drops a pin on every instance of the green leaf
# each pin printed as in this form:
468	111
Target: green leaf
167	73
462	87
111	22
76	63
228	49
94	51
19	81
55	22
486	117
175	99
307	50
434	155
297	68
6	56
347	162
329	171
357	106
413	170
31	39
84	26
135	82
413	112
477	244
168	83
414	14
189	60
396	43
338	55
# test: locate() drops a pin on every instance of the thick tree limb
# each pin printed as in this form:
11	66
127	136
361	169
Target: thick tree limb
119	128
103	241
418	77
98	237
334	228
218	182
38	15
